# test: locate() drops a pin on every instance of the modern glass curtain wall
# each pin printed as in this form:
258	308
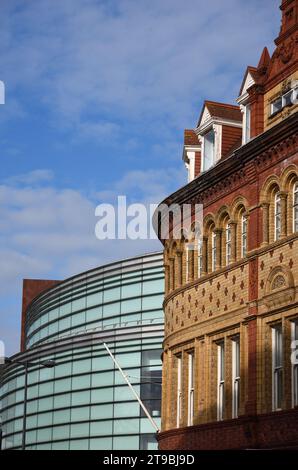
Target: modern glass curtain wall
83	402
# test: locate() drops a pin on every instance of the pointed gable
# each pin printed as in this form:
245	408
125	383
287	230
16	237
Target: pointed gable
213	110
249	79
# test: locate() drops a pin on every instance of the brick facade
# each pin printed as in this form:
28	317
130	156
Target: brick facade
226	292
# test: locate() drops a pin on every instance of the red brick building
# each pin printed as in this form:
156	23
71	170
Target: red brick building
230	373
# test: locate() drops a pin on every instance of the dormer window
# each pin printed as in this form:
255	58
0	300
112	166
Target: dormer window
209	149
246	124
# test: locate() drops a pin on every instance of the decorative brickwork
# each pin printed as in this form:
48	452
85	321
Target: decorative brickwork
235	304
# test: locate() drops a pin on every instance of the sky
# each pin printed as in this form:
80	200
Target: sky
97	96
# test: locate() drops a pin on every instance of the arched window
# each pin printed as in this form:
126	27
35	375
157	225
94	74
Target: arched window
277	217
200	257
213	251
295	208
243	236
228	244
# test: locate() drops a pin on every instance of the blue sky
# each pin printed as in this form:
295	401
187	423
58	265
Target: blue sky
98	93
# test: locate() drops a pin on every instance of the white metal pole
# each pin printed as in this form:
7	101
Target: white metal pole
132	389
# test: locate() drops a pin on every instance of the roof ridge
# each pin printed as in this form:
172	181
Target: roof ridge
227	105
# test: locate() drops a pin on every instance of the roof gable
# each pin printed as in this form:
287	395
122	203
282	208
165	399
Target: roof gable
212	109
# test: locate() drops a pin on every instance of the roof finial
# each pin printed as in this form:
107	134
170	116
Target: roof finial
264	62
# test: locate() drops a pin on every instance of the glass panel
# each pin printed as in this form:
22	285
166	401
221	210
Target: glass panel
101	412
151	287
62	416
79	444
101	444
111	310
102	379
79	430
152	302
46	388
209	140
101	428
83	381
112	294
80	398
64	309
129	359
126	426
45	419
124	393
94	314
44	434
131	305
102	363
64	324
78	304
81	366
61	401
122	410
60	445
126	443
62	370
61	432
80	414
102	395
62	385
94	299
131	290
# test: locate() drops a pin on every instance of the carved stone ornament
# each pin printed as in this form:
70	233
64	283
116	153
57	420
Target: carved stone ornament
285	51
278	282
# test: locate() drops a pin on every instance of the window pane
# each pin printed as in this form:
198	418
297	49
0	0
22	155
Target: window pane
208	150
101	412
101	428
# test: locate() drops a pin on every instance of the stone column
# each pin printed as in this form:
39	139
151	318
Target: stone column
167	279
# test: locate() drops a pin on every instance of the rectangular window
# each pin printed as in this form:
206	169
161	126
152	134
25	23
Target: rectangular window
179	390
295	208
247	124
190	388
276	105
213	252
200	258
209	141
277	367
294	360
220	380
228	245
287	99
235	376
277	218
243	236
187	264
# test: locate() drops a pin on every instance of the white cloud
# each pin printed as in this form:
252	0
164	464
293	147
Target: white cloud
48	232
131	61
31	178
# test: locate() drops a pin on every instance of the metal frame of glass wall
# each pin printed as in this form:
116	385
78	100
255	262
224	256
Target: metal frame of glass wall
83	402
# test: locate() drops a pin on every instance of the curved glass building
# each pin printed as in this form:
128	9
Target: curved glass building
83	402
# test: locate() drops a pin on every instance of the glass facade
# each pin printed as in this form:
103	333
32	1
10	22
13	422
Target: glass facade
84	402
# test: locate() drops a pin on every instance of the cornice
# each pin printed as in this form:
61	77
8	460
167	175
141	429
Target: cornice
241	166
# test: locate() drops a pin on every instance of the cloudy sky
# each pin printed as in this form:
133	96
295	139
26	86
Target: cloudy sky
98	93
